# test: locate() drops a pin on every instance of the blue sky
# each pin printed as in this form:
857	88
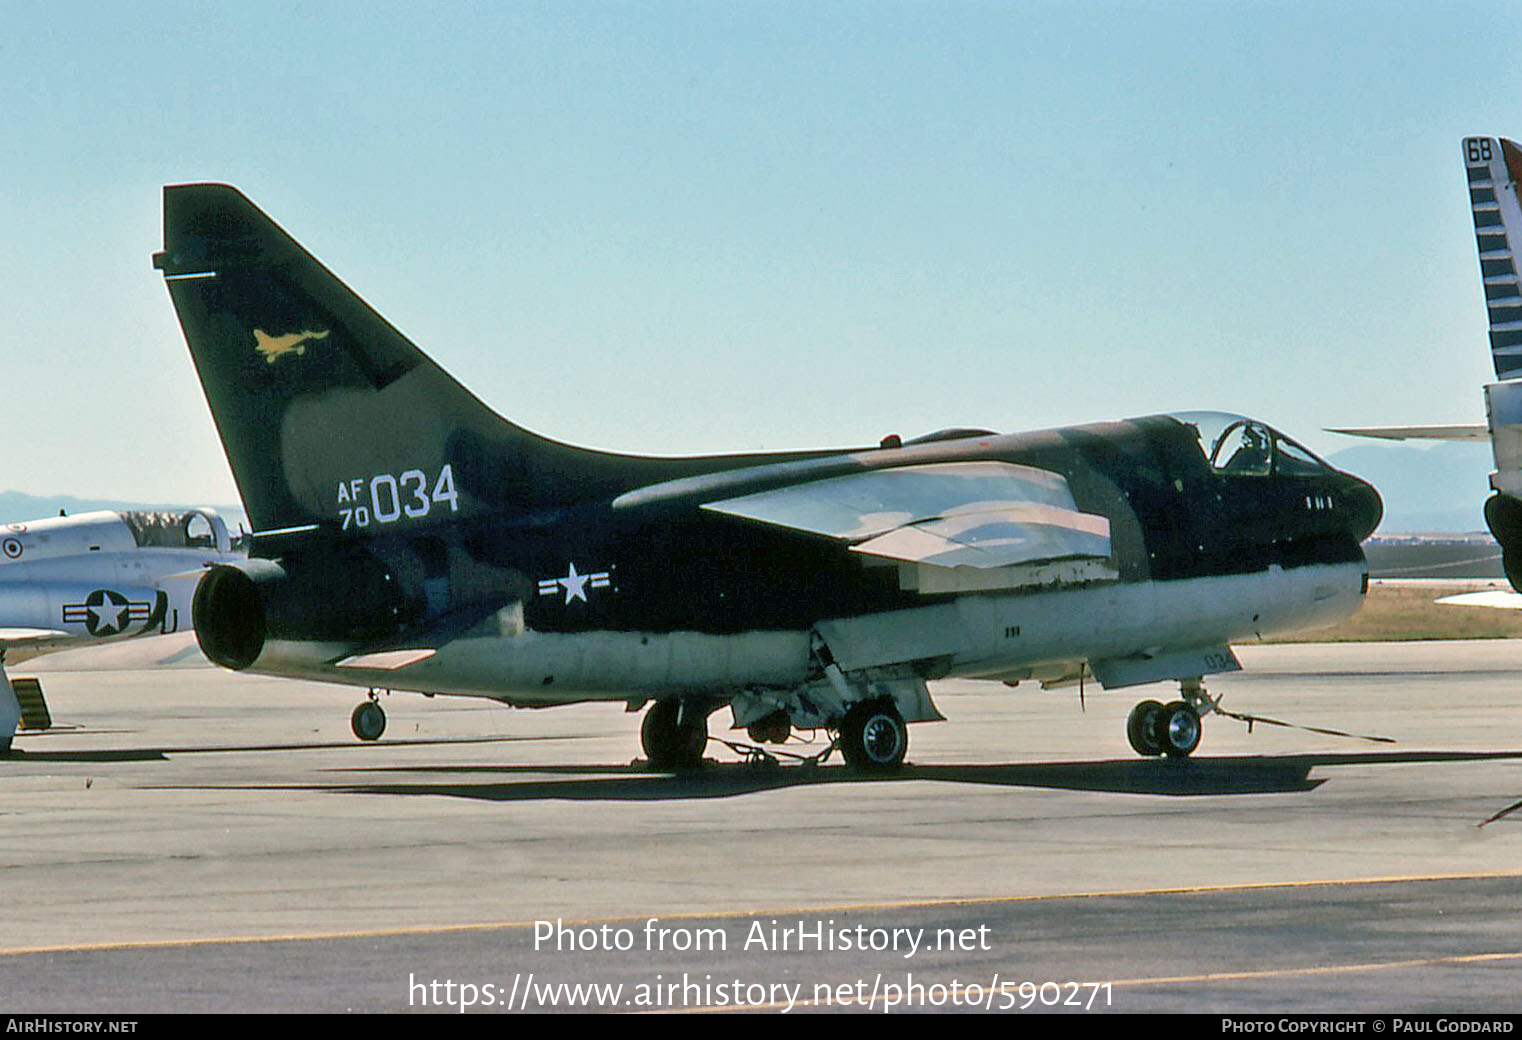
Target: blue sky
696	227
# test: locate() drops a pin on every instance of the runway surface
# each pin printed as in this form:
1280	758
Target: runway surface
207	841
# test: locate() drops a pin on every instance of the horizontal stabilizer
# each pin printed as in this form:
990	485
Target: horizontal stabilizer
421	643
387	660
1467	432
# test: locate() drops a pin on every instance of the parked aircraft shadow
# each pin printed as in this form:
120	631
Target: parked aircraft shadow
115	755
1242	775
162	754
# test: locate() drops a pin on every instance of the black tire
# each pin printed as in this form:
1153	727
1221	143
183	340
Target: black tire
670	744
1141	729
873	737
1177	730
368	721
773	729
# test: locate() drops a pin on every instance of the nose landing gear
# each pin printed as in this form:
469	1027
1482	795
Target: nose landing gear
1171	729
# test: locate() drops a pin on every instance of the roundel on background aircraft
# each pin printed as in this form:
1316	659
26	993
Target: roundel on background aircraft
106	612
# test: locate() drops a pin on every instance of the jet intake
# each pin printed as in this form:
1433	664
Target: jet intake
345	597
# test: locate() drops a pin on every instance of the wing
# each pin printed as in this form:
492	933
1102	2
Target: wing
177	650
15	638
1466	432
996	518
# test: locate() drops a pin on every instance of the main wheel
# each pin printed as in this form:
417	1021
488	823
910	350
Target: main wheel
671	742
1141	729
1177	729
368	721
873	737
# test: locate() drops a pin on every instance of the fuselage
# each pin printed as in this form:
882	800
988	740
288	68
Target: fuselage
408	536
106	574
1221	530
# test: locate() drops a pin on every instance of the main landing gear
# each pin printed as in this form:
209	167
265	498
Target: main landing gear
674	735
873	737
368	720
1171	729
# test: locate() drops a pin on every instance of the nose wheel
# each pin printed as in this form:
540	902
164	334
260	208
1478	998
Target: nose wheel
1171	729
1178	729
1141	728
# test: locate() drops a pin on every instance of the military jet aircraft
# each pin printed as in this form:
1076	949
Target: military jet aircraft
1493	167
71	580
408	537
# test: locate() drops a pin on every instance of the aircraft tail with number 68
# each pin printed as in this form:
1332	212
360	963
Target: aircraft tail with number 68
1493	171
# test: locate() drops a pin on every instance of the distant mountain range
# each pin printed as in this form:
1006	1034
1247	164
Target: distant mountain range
1441	487
1437	488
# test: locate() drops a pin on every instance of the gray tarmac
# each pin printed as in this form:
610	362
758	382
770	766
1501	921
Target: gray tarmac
203	841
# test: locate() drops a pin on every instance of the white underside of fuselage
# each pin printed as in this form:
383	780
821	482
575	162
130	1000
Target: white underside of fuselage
988	635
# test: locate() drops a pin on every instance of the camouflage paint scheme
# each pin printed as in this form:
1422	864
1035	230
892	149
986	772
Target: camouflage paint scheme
407	536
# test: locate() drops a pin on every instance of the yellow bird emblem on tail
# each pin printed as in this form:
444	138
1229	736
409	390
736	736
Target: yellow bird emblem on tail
273	347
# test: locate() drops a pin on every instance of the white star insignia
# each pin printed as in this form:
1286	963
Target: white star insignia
575	585
108	615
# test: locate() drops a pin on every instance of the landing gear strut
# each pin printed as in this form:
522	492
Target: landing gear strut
674	735
368	720
1171	729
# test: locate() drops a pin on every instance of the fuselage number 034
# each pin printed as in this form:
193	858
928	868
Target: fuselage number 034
385	499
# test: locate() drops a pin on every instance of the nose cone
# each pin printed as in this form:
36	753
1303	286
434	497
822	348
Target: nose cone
1365	509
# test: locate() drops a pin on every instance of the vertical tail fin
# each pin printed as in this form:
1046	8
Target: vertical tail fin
330	417
1494	166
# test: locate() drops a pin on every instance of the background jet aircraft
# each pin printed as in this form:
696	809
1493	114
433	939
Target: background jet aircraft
69	580
1493	167
406	536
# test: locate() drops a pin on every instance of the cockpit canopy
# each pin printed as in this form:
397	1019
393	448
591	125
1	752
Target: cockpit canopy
1239	446
192	529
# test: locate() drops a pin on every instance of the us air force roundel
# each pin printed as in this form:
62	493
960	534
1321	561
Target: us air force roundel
575	585
107	613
